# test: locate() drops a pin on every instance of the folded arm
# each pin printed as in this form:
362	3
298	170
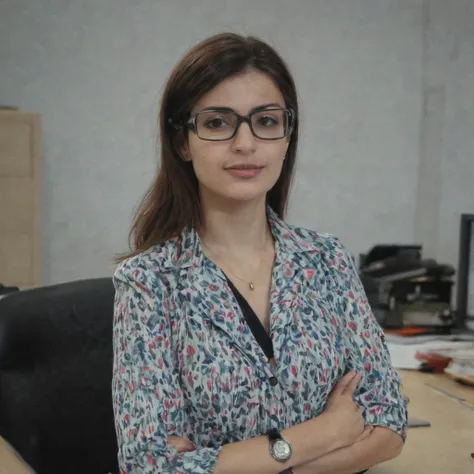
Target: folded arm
149	405
380	446
379	393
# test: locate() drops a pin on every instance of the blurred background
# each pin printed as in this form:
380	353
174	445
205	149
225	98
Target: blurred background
386	163
387	142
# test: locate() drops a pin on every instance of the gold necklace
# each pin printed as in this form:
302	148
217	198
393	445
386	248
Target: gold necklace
250	284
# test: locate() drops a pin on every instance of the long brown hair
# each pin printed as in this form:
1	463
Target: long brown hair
172	201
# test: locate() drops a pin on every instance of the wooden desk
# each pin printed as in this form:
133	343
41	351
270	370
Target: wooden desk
446	446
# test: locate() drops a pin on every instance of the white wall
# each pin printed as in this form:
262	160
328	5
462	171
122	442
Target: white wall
387	112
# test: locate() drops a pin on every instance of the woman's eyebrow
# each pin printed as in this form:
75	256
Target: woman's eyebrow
229	109
266	106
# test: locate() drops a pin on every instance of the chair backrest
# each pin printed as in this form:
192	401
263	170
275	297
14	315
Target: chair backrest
55	377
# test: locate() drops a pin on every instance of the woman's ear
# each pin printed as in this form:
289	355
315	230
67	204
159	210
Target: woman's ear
184	151
181	145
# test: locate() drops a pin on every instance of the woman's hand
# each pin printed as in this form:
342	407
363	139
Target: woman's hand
182	445
344	411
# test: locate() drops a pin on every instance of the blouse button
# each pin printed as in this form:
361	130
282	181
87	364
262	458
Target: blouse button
273	381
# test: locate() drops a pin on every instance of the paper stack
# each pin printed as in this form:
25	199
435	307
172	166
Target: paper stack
404	351
461	367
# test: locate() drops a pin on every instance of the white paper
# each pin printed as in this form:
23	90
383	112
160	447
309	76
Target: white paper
404	355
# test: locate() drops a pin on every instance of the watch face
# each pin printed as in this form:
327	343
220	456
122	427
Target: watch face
282	449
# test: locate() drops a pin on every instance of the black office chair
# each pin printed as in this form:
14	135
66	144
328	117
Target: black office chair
55	377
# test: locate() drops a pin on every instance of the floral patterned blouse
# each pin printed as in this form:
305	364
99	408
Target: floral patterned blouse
187	364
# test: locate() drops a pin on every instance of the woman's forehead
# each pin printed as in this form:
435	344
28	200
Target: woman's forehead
242	93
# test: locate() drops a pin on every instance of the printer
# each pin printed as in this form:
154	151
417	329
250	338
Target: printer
406	290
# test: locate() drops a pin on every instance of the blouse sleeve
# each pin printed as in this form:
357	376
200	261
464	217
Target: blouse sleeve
147	399
380	391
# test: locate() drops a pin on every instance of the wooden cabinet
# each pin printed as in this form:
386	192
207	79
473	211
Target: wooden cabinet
20	219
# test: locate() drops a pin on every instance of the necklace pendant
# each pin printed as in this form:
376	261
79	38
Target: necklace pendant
251	286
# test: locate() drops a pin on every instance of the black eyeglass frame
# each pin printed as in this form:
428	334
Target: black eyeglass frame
191	123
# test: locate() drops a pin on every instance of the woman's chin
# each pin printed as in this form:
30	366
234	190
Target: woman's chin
242	192
244	195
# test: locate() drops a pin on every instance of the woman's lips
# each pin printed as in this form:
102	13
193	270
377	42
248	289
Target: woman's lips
245	171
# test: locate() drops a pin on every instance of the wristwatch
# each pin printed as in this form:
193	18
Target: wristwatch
280	449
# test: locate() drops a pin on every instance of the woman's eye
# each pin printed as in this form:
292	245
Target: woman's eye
267	121
215	123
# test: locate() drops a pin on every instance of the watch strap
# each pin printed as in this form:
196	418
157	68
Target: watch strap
274	434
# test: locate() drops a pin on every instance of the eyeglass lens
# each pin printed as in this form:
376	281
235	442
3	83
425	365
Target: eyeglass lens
221	125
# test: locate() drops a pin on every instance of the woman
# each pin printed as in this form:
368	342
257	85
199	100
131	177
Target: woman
241	343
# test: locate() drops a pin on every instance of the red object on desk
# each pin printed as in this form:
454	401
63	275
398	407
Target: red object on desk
437	361
409	331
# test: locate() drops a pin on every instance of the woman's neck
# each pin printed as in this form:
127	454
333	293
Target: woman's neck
234	227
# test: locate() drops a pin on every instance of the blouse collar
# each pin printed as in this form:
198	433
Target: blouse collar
287	240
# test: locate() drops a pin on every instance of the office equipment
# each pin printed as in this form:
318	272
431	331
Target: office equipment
465	279
406	290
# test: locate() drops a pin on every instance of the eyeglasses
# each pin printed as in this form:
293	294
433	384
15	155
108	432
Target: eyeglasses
223	124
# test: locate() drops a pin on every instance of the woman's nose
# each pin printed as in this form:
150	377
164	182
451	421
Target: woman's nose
244	140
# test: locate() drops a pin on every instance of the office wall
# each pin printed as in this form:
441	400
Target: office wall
387	112
446	168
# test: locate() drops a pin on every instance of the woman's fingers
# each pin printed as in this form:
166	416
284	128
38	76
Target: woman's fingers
343	383
352	385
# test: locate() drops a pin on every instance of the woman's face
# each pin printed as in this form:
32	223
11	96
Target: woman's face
243	168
